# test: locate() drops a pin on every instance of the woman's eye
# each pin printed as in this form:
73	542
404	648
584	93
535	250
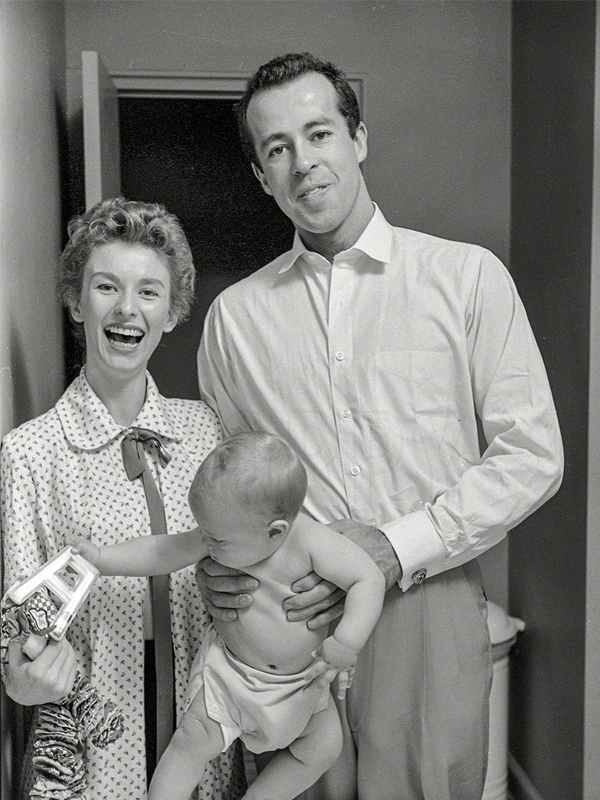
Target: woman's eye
149	293
106	287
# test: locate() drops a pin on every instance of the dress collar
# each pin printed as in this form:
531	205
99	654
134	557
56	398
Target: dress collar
375	242
88	425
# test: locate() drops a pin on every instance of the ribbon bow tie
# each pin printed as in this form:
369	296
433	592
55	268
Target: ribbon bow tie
133	445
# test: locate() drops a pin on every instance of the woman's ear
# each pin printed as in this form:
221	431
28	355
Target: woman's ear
278	527
170	323
75	309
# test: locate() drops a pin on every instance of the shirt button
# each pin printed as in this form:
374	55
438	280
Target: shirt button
214	707
207	670
355	470
346	413
340	355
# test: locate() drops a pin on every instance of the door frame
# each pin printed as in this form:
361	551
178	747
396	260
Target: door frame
207	86
203	85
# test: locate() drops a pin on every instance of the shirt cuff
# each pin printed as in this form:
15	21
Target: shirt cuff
418	547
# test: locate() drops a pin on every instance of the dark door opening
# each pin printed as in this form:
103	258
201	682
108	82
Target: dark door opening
185	153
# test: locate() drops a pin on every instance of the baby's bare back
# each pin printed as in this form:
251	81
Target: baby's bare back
262	636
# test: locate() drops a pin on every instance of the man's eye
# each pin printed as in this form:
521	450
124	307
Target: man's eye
321	135
276	151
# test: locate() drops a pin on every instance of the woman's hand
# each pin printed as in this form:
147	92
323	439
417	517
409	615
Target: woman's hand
47	679
224	589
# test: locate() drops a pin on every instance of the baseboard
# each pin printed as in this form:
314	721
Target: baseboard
519	782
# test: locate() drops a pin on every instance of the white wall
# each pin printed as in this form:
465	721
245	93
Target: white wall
437	97
437	74
31	101
32	92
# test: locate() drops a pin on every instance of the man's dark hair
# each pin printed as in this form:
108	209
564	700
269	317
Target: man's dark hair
284	69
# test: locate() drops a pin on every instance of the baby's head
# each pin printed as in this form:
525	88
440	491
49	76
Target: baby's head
246	495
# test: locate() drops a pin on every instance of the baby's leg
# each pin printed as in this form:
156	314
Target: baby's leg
339	782
297	767
197	740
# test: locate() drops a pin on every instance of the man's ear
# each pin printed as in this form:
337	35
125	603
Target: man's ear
360	142
278	527
260	176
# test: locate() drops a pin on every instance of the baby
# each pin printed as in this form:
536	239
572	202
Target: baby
258	677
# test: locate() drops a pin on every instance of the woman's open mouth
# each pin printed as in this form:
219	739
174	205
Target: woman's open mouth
124	338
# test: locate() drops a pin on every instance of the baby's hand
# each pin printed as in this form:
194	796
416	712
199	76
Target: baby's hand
333	658
89	551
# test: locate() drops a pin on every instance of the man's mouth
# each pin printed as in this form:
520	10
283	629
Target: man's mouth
126	338
314	191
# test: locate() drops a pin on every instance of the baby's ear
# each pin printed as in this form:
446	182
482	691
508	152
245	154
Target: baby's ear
278	528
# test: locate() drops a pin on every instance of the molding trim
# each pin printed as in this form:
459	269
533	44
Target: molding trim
520	784
215	85
180	85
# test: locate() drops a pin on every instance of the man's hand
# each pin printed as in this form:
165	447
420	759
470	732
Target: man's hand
320	601
316	600
224	589
47	679
376	544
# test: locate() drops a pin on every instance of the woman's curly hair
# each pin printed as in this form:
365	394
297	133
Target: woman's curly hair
132	222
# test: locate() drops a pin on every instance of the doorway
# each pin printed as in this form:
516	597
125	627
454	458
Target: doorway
185	153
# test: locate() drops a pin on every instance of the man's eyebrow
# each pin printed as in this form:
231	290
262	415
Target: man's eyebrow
314	123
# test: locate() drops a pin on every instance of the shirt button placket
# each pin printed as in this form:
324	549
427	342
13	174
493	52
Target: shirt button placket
343	380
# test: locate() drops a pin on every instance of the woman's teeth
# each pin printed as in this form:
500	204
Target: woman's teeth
126	338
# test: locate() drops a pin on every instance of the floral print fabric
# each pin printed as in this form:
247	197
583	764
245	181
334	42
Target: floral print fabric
63	477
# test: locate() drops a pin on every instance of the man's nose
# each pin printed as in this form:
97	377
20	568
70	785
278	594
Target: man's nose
304	158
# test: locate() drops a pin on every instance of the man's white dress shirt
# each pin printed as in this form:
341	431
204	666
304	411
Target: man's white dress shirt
375	369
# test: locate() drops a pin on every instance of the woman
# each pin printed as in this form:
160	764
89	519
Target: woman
127	277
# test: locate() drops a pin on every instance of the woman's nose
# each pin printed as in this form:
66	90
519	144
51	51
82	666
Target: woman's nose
127	305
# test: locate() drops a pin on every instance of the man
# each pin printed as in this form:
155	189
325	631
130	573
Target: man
375	350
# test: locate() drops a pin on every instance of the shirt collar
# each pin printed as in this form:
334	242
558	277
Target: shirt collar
375	242
88	424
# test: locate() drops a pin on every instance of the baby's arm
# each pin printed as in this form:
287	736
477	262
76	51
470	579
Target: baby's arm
146	555
344	563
